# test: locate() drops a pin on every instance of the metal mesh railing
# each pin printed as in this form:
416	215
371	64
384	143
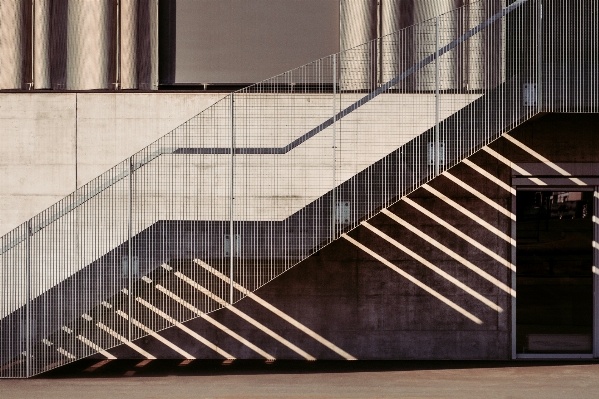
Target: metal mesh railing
274	172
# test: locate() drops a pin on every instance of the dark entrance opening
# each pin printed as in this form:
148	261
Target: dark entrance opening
554	280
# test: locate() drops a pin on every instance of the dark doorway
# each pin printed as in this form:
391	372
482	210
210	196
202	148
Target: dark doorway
554	280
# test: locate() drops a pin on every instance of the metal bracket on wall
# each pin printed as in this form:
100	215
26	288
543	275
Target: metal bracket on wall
529	94
343	212
227	245
432	152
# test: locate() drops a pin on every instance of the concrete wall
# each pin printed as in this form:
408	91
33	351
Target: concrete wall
424	292
55	142
63	141
367	309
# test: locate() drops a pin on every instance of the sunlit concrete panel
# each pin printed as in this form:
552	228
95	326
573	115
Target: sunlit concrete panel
88	44
11	43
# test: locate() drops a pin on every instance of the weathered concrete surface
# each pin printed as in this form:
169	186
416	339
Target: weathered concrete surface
38	163
53	143
98	130
367	309
305	380
59	142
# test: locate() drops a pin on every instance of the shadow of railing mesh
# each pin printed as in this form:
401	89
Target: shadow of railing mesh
274	172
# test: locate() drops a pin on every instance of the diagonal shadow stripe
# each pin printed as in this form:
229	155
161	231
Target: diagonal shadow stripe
432	267
278	312
415	281
245	317
442	248
541	158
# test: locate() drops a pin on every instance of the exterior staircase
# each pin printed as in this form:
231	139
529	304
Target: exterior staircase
259	182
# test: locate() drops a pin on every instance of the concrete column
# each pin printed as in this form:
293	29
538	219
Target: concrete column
11	44
484	53
154	43
41	44
474	48
425	11
498	38
88	44
128	55
357	26
389	46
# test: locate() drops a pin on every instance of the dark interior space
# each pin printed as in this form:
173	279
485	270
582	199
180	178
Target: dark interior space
554	284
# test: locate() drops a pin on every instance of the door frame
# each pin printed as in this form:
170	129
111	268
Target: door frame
558	184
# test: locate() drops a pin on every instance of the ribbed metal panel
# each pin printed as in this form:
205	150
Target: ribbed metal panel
11	44
475	59
88	44
474	66
390	11
357	26
357	22
128	50
390	16
425	43
41	44
153	32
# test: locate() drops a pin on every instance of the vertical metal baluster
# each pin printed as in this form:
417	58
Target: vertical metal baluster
334	198
231	233
130	250
437	96
32	85
28	309
540	56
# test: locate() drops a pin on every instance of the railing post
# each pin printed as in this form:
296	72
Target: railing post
540	56
437	152
130	250
334	127
28	306
595	273
231	208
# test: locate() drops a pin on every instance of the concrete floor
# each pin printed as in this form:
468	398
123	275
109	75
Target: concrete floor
200	379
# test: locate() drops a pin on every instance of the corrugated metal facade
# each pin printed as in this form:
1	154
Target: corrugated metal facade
113	44
459	70
78	45
41	44
11	43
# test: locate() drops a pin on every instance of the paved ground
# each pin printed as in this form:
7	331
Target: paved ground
200	379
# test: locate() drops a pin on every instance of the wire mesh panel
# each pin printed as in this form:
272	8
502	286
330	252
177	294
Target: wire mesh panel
284	167
14	280
181	190
272	173
493	96
569	54
75	265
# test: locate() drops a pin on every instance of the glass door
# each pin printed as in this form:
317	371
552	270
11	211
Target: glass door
554	280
